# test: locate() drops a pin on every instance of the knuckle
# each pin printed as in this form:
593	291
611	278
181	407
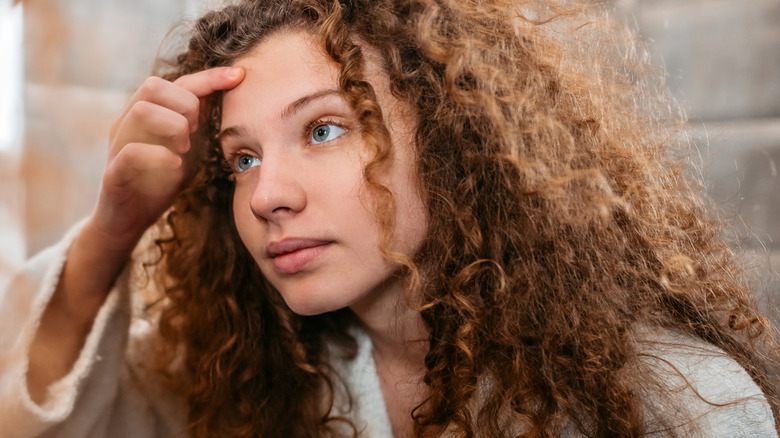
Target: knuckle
153	84
141	110
193	104
181	126
129	153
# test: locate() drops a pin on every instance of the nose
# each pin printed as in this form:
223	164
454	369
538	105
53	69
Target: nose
278	191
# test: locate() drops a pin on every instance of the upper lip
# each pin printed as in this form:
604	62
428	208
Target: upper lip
289	245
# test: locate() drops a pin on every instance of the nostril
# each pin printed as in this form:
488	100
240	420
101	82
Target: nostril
277	195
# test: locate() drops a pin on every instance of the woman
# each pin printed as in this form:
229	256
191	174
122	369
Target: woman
394	217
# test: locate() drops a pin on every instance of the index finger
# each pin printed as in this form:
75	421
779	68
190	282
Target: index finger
205	82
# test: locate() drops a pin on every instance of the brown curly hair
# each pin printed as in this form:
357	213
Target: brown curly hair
562	218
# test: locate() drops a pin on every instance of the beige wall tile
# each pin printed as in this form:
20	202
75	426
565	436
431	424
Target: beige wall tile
722	56
66	144
82	59
742	163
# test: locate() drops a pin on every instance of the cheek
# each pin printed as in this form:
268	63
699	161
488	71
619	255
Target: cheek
412	220
411	209
242	215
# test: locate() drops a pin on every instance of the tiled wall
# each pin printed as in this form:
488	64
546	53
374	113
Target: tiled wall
83	57
723	63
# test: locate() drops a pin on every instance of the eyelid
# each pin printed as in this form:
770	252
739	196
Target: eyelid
231	160
309	129
230	147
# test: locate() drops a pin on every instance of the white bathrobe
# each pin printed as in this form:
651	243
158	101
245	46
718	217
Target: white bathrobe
108	393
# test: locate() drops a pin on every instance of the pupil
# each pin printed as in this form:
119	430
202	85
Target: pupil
321	132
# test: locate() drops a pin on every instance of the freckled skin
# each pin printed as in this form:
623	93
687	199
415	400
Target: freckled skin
295	187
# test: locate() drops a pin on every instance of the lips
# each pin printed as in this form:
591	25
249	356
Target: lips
290	256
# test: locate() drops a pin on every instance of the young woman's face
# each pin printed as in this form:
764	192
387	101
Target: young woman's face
301	206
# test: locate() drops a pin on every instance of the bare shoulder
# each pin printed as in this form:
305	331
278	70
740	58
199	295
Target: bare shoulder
700	389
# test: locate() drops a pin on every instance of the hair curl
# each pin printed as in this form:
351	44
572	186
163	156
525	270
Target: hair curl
560	222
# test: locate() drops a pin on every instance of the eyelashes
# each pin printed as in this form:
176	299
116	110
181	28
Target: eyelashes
244	162
322	130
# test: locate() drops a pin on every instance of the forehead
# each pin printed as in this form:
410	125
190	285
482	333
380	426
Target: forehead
291	64
280	69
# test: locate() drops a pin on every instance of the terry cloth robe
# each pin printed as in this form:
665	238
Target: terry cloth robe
109	392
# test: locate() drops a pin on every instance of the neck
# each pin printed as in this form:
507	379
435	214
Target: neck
396	331
400	343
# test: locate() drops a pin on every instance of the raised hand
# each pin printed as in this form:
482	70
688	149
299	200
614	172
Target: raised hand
147	151
146	166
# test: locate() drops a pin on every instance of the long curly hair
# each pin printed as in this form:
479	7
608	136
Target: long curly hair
562	219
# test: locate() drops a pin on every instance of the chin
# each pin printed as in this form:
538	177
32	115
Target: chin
311	305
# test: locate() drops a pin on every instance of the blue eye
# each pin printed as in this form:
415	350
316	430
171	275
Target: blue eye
245	162
325	132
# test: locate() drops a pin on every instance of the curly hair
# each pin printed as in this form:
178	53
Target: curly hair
562	220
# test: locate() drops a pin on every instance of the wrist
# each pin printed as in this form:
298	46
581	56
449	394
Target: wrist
113	244
94	260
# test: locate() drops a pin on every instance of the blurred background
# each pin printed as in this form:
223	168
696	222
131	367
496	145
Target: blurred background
68	67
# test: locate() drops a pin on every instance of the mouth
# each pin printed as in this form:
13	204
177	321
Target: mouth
290	256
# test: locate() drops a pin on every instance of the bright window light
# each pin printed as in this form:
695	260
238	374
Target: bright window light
11	70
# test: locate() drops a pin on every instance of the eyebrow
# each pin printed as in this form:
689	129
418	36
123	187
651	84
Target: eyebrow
233	131
296	106
287	112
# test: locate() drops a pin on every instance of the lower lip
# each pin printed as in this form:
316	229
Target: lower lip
297	261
